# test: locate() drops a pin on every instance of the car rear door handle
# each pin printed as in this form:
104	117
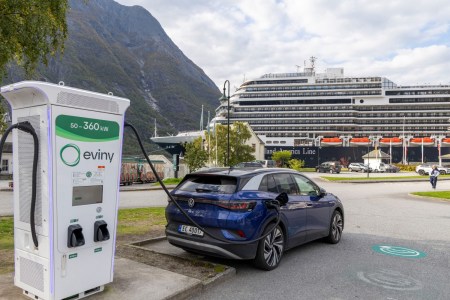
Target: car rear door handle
309	205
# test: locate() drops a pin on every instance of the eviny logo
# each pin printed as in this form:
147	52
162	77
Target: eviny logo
70	155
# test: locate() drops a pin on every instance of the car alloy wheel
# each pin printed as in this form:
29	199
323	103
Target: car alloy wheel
270	249
336	228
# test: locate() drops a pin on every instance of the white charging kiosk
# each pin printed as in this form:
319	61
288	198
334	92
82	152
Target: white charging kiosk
80	138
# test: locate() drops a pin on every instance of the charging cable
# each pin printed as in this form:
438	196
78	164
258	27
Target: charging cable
26	127
269	203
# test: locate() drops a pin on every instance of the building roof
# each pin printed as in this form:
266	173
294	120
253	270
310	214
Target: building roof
376	154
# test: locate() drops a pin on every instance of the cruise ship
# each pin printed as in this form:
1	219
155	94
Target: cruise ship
329	116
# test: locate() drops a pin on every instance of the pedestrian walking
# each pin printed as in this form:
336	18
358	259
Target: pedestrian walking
434	173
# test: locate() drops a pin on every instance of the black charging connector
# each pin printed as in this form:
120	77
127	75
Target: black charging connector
27	127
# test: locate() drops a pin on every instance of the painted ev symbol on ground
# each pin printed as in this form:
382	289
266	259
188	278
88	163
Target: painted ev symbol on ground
398	251
391	279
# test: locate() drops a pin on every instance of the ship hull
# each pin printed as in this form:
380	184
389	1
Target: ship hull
312	156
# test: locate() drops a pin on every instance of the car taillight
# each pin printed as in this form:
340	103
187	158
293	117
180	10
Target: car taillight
240	233
237	205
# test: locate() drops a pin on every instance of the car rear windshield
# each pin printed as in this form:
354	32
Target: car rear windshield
209	184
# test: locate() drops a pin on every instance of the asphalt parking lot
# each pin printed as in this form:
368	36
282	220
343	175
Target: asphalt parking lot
395	246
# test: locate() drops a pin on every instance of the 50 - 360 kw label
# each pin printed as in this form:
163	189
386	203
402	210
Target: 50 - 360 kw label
86	129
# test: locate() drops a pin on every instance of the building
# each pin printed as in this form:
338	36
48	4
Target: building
6	168
174	144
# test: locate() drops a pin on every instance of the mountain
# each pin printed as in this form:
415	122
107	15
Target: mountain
124	50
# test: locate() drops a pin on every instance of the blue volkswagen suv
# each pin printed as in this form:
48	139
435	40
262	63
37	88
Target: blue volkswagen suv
232	213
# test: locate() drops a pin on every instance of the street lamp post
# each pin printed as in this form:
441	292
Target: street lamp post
227	98
368	158
404	141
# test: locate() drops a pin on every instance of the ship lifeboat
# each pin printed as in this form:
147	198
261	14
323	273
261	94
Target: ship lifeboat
360	141
331	141
422	141
394	141
445	142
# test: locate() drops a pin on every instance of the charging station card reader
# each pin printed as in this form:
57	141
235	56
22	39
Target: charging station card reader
80	138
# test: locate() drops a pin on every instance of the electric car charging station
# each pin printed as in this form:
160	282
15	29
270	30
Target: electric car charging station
64	239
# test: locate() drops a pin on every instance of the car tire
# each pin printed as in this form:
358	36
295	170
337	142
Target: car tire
331	171
336	228
442	172
270	249
421	172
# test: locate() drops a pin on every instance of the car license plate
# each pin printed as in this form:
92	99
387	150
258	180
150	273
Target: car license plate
191	230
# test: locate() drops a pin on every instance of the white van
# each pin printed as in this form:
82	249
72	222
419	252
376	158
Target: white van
377	166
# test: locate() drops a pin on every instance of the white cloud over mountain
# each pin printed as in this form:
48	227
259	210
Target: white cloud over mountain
406	41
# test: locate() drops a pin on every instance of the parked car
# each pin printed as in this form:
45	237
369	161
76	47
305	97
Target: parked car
249	164
355	167
391	168
267	163
236	216
329	167
425	169
359	167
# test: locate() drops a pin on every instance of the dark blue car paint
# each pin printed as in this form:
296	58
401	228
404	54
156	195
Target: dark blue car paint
303	218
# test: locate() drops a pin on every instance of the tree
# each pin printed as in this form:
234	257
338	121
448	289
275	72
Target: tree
296	164
282	157
195	156
239	151
3	124
30	30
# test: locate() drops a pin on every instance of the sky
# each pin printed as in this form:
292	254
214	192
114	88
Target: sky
407	41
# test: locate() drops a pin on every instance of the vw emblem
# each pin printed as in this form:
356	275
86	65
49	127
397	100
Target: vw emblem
191	202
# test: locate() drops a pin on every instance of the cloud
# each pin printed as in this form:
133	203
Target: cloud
408	42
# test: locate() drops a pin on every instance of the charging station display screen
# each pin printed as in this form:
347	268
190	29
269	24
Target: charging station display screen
85	195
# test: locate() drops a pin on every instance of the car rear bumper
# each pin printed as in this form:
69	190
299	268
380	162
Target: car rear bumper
210	246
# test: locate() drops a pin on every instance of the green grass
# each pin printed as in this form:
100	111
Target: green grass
444	195
170	181
132	221
307	169
6	233
138	220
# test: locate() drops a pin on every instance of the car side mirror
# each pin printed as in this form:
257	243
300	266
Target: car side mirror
322	192
282	198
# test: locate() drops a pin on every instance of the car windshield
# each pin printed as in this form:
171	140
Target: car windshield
209	184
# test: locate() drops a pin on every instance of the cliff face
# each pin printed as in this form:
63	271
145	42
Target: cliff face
124	50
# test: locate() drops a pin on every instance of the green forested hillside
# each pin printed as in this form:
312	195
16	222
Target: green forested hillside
124	50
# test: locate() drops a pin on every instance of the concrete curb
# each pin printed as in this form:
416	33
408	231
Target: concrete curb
229	272
121	189
133	188
435	199
374	180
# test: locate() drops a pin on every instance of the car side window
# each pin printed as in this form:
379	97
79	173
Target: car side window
268	184
306	187
286	184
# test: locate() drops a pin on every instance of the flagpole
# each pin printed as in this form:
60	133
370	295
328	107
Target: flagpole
209	142
422	150
390	151
215	134
439	152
